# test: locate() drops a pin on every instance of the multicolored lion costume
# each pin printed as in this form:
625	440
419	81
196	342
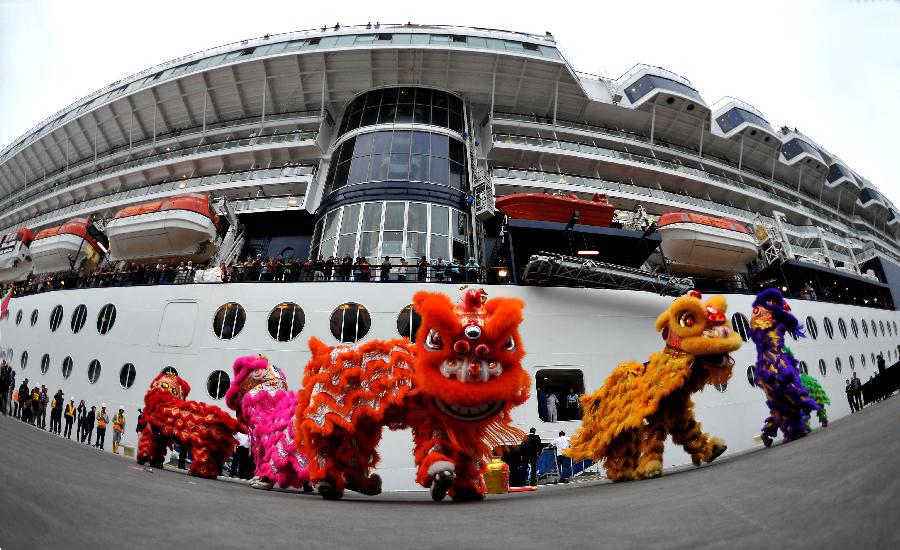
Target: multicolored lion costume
259	394
627	420
776	371
454	387
167	418
817	392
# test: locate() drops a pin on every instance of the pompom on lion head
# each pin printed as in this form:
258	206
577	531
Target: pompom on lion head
469	354
171	383
699	328
251	373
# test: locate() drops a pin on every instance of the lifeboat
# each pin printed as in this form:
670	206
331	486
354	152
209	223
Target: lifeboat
15	255
706	246
557	208
53	248
184	227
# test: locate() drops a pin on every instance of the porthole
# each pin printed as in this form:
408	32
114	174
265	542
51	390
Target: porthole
874	362
94	371
79	316
837	365
895	327
67	367
106	318
803	368
9	355
842	326
408	322
854	327
874	329
229	320
890	332
881	326
19	317
23	361
126	375
217	384
751	376
865	328
721	387
811	328
862	360
822	367
286	321
169	370
740	323
350	322
56	317
34	317
852	363
45	363
829	329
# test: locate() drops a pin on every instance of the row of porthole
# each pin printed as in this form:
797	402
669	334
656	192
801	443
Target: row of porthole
106	318
349	322
742	325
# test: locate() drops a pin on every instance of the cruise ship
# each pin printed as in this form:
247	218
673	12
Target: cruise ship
595	200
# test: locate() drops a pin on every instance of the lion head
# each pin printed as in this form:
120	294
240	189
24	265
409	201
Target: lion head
252	374
772	312
699	328
168	382
468	355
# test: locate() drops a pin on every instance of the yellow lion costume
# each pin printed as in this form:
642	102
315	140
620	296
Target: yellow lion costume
627	420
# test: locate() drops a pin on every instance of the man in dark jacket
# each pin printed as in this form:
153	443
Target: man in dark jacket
850	399
24	399
531	449
857	391
89	425
56	413
5	381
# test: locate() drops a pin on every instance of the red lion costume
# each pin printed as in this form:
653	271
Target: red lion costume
455	388
167	418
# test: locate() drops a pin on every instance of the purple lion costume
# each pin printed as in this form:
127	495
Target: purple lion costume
777	372
260	397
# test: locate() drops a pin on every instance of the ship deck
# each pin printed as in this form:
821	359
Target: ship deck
837	488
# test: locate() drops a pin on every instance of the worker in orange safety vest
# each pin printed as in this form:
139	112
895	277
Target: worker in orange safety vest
102	421
118	428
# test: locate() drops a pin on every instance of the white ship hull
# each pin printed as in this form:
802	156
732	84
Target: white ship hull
164	234
564	328
51	255
697	249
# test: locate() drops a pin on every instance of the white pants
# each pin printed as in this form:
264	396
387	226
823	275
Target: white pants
551	413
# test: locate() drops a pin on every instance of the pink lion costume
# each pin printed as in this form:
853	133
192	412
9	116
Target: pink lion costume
260	397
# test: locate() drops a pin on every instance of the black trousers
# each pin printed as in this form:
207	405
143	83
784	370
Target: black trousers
182	457
88	433
68	432
531	462
852	402
240	463
101	437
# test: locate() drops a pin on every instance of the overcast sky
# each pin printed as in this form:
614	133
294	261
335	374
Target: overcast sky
831	68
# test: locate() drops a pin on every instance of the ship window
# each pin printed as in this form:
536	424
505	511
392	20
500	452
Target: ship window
56	318
94	371
881	326
811	328
23	362
862	359
721	387
217	384
803	368
229	320
852	363
106	318
9	355
842	326
873	360
751	376
408	322
67	367
874	330
286	321
889	331
854	327
561	383
34	317
829	329
350	322
45	363
19	317
865	328
169	370
126	375
895	327
740	323
79	316
822	367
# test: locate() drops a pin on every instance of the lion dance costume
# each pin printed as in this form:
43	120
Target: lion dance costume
167	418
817	392
776	371
454	388
259	395
628	419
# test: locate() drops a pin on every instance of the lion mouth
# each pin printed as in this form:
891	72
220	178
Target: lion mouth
468	413
716	361
719	331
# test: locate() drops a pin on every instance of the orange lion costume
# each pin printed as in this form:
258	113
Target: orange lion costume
167	418
628	419
454	387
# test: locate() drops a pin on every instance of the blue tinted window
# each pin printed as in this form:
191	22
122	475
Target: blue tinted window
837	172
736	116
868	195
647	83
796	147
403	105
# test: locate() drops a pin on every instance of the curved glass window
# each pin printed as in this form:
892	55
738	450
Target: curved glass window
881	327
217	384
350	322
874	329
229	320
829	329
822	367
106	318
56	317
67	367
398	155
862	360
408	322
854	327
852	363
811	328
837	171
19	317
649	82
865	328
79	316
734	117
803	368
286	321
126	375
797	146
45	363
34	317
404	106
169	370
751	376
94	371
721	387
741	325
23	361
867	195
837	365
842	327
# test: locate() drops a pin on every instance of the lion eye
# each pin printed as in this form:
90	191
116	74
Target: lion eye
510	344
433	341
756	310
686	319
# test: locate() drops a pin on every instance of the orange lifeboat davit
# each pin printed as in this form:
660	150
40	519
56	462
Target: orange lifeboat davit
15	255
182	227
557	208
706	246
55	247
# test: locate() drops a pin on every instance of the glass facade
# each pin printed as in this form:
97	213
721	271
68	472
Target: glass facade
837	171
404	106
400	155
649	82
393	228
736	116
797	146
867	195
